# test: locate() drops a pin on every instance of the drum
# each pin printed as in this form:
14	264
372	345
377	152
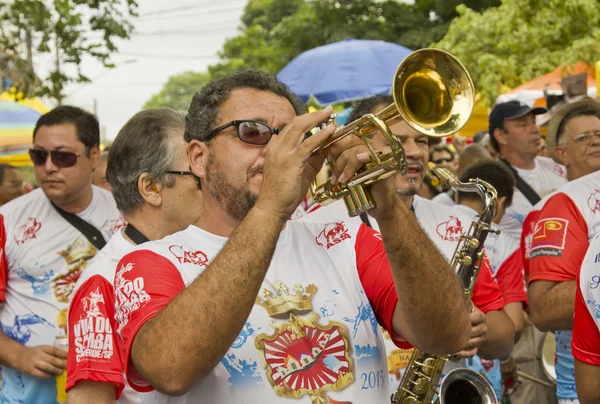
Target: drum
547	356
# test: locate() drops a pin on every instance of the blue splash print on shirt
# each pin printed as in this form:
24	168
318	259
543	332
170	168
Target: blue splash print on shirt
242	374
367	355
19	330
39	285
332	363
517	216
243	336
595	305
365	313
325	312
336	292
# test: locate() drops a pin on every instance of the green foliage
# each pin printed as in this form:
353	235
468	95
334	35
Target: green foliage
273	32
178	91
523	39
76	27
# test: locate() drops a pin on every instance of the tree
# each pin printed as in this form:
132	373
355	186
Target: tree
275	31
64	30
178	91
528	38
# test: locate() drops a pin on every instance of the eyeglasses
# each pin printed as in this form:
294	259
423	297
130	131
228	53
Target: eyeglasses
586	137
252	132
443	160
61	159
180	172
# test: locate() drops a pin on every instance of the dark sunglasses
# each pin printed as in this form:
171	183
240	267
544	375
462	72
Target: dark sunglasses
440	161
179	172
61	159
248	131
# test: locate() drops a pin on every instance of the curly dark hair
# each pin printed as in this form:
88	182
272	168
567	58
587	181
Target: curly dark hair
366	106
204	108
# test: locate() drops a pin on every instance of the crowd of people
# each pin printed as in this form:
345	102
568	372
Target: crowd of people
188	264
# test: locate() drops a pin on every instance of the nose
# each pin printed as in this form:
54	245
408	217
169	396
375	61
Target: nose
412	150
49	165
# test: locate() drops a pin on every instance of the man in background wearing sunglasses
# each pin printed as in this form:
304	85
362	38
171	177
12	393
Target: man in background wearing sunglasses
246	306
147	168
11	183
43	253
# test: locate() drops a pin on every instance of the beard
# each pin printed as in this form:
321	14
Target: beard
237	202
412	190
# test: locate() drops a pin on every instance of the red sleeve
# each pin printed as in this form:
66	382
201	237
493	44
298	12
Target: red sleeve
377	281
511	280
559	242
3	261
145	282
487	295
586	336
93	348
526	236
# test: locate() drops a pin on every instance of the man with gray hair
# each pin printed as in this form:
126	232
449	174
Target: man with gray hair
147	169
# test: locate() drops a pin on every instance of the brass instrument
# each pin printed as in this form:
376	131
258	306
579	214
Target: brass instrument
433	93
423	372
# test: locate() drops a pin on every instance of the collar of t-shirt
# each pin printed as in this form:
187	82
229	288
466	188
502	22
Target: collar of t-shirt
526	174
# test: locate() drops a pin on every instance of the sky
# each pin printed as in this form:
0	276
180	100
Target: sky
171	36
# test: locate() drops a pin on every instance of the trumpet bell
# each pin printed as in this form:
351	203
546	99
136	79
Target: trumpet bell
433	92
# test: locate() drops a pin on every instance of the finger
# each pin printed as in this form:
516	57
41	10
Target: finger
54	361
48	368
479	331
296	130
35	372
316	140
54	351
349	162
467	353
475	343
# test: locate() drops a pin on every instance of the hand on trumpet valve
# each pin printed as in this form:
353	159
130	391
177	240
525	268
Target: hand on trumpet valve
290	164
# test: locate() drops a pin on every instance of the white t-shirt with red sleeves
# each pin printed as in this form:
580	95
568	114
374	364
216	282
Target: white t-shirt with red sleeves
566	224
546	177
586	323
330	348
43	256
93	344
444	225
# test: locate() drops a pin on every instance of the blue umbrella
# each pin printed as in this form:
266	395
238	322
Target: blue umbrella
343	71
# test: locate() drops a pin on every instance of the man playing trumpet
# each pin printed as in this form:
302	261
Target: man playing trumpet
245	306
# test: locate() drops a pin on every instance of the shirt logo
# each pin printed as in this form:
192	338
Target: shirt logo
188	257
27	231
549	237
129	296
93	332
594	201
115	225
332	234
450	230
559	170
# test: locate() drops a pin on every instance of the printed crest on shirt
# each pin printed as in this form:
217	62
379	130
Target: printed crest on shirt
332	234
303	356
451	229
93	332
549	237
129	295
185	256
594	201
560	170
27	231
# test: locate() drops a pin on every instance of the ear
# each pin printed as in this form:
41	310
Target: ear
500	136
561	154
198	158
95	156
149	190
500	210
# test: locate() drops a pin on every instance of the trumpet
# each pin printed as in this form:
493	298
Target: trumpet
433	93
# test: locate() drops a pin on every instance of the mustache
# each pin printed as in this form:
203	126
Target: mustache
255	170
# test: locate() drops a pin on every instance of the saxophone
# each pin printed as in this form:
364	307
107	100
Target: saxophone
423	372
